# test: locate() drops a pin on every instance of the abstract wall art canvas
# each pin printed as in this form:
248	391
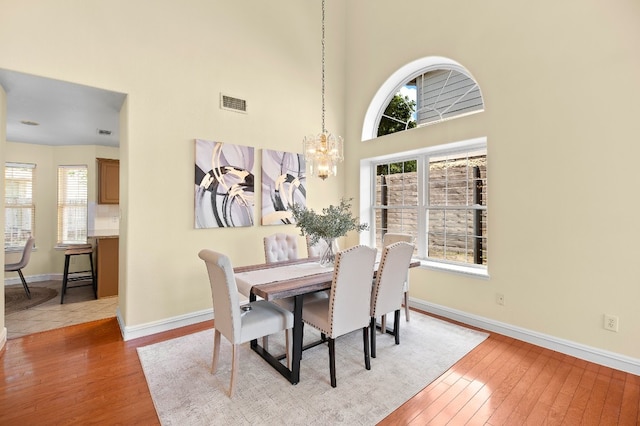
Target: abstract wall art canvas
283	184
224	185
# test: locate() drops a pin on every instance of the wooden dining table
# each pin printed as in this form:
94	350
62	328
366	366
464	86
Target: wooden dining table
287	279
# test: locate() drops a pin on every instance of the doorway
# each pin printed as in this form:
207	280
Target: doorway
48	123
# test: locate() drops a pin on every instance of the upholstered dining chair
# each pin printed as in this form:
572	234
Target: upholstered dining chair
388	239
254	320
348	306
386	294
280	246
22	263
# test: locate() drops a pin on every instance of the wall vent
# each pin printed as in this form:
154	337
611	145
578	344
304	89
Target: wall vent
233	104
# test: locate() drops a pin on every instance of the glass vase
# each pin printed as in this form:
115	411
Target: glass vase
328	256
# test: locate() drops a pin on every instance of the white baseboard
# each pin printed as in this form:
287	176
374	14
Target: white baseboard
587	353
137	331
32	279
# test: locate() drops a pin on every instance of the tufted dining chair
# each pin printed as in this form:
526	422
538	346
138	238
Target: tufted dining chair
388	239
22	263
348	306
280	246
386	294
254	320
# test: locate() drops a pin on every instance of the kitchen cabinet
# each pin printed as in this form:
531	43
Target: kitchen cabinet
107	266
108	181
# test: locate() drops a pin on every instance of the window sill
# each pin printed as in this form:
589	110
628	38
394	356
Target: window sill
457	269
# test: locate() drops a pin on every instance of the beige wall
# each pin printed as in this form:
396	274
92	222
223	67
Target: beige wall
173	59
560	83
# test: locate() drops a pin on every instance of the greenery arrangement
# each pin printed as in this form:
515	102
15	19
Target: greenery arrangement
334	222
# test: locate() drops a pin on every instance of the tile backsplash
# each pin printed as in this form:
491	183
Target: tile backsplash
104	216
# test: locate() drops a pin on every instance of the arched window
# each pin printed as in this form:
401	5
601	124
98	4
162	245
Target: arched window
425	91
438	194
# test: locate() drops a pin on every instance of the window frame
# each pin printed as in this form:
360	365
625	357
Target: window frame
62	206
19	244
399	78
368	208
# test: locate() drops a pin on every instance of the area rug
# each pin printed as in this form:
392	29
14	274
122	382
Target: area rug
185	393
15	298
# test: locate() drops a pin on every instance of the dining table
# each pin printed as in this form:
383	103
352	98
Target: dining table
287	279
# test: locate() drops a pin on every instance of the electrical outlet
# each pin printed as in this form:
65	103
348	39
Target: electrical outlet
610	322
500	299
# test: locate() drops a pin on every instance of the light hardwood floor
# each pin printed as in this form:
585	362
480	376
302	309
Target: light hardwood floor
86	374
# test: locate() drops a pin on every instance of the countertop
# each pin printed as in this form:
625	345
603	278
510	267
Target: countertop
103	233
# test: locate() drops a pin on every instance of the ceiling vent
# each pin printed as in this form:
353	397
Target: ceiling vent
233	104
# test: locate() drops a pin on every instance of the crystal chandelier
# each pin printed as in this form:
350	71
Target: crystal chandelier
324	151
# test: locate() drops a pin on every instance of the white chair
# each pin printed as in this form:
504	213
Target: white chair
280	246
235	324
388	239
348	306
22	263
386	295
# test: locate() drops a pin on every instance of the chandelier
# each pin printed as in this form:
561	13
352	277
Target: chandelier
323	152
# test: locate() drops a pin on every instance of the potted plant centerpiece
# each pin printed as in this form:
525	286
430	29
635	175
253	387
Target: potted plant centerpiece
334	222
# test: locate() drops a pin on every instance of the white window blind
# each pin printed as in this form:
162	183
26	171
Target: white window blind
19	209
72	204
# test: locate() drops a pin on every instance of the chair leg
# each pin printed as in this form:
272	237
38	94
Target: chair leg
94	282
372	329
287	347
24	284
265	343
365	338
332	361
383	324
65	276
216	351
406	305
234	368
396	326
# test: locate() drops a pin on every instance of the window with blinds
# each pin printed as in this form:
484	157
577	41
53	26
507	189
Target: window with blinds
72	205
19	209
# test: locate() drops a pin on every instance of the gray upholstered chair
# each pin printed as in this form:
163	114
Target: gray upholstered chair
386	295
235	324
348	306
280	246
22	263
388	239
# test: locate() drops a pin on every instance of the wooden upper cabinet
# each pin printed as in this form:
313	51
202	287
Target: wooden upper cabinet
108	181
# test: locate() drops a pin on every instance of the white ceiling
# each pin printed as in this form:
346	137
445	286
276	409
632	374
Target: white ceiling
67	113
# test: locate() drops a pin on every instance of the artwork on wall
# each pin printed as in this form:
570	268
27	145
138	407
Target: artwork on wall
224	188
283	184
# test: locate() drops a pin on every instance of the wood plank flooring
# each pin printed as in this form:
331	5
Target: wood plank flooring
86	374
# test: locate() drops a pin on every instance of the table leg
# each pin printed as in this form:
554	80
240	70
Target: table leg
297	339
254	342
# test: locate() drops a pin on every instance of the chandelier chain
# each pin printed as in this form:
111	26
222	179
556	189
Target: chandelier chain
323	108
